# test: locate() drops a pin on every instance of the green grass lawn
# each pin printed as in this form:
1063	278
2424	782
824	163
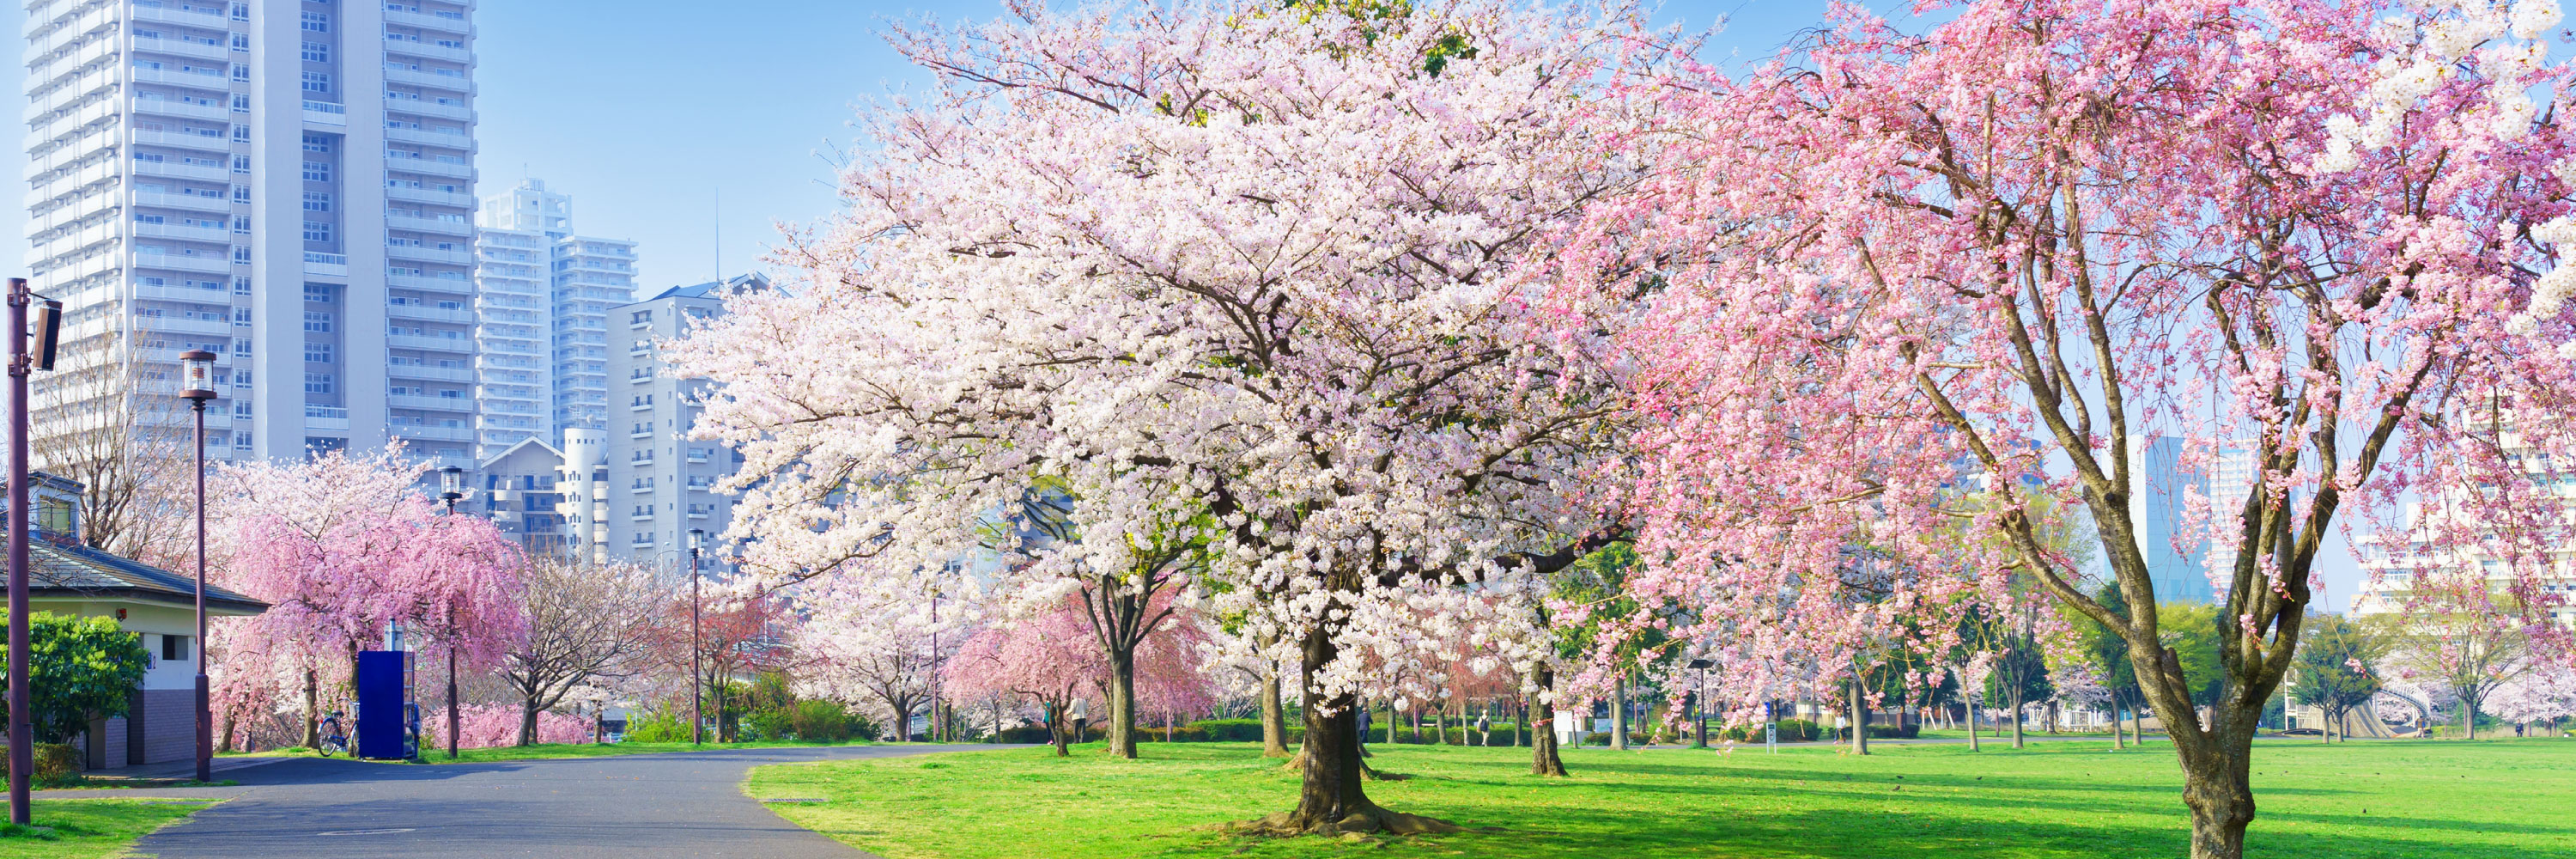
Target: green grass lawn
2383	800
90	828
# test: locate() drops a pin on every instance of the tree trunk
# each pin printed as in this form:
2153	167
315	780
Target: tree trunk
1619	714
2118	743
1440	723
1056	728
2015	696
226	737
2468	719
1274	722
2218	787
527	720
1971	707
2050	716
1330	800
1859	720
312	708
1521	722
1122	702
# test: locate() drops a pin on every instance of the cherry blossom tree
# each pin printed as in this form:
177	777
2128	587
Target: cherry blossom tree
2019	244
2542	696
584	623
873	648
1050	659
1231	274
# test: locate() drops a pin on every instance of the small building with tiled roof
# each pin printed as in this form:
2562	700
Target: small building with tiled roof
66	576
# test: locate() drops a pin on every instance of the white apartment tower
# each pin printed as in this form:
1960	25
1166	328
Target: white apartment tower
287	183
658	483
544	309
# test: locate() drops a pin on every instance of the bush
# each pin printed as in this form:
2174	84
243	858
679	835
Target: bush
1892	732
657	727
1229	730
776	723
1791	731
828	722
55	762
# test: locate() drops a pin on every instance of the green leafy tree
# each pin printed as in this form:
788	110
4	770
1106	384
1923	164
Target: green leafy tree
2336	668
2190	630
82	668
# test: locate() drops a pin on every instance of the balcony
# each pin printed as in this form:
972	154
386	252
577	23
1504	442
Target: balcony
180	47
217	235
425	107
426	137
182	140
210	19
641	459
428	313
182	262
210	80
419	253
431	196
190	202
457	285
425	50
429	403
431	80
433	167
184	325
326	264
325	417
639	490
430	433
697	455
326	113
429	343
199	172
428	225
429	22
428	372
171	107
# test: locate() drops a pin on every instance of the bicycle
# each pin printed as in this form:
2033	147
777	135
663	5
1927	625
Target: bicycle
334	737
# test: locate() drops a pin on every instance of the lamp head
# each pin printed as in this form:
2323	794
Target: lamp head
697	539
197	375
451	483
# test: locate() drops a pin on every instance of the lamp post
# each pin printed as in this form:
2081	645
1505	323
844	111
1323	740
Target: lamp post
697	695
197	383
451	487
22	735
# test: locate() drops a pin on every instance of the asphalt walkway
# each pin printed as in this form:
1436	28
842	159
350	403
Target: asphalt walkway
674	804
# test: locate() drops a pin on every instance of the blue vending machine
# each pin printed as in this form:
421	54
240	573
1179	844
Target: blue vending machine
381	708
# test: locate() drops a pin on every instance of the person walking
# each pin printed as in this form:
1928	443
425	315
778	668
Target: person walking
1485	728
1081	720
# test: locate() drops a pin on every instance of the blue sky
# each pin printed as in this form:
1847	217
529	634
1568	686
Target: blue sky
673	123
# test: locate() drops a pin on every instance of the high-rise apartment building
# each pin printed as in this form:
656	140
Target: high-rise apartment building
287	183
659	483
545	300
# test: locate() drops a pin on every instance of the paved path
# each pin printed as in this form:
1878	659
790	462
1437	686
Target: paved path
677	804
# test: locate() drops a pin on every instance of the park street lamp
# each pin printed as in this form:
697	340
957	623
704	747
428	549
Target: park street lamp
197	384
22	732
697	678
451	487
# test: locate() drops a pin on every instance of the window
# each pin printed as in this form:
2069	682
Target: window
241	164
241	193
319	323
141	218
317	52
241	102
241	41
241	254
241	440
241	71
241	316
317	353
317	143
241	285
317	171
317	231
318	293
317	201
241	347
640	317
241	11
174	648
241	133
317	22
317	82
317	383
241	224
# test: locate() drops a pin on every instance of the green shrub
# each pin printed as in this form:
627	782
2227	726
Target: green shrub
770	724
1229	730
55	763
828	722
656	727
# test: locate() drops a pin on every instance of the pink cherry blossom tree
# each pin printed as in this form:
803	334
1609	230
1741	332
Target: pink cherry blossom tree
1051	659
1903	281
1232	275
